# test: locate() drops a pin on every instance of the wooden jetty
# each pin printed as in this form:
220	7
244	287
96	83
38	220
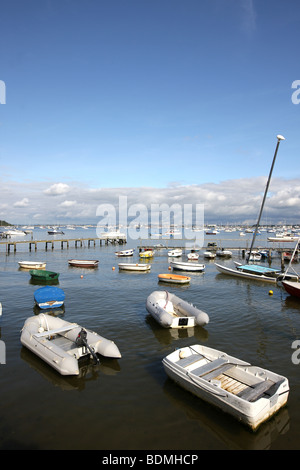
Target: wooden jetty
64	242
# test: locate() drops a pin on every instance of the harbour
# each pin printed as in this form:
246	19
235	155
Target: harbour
129	403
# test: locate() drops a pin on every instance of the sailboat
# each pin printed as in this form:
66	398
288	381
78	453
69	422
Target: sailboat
254	271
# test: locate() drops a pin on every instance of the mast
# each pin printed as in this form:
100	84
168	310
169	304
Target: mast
279	138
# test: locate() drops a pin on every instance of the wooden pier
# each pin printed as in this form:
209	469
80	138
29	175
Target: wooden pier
64	242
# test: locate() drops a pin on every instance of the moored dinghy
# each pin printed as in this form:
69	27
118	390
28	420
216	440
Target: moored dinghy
174	278
83	263
61	344
172	312
249	393
49	297
32	264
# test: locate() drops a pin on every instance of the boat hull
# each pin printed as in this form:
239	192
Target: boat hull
49	297
172	312
187	266
174	278
53	340
83	263
134	267
244	275
43	275
32	265
249	393
292	288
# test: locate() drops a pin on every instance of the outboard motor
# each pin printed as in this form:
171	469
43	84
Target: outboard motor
81	340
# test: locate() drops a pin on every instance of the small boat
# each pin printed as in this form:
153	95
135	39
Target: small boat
32	264
289	256
209	254
187	266
174	278
124	252
43	275
258	273
248	393
284	238
61	344
146	253
83	263
172	312
292	287
175	253
49	297
193	256
14	233
254	256
224	253
134	267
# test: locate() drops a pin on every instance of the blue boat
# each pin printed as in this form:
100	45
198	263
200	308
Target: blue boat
49	297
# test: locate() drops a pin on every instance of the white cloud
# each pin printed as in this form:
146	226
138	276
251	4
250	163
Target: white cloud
57	189
23	203
68	204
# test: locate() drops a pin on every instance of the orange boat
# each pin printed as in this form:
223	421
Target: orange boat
176	278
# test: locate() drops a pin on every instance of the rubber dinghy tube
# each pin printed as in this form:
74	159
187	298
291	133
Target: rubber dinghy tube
81	341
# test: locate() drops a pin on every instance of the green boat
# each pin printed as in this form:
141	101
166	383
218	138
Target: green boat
43	275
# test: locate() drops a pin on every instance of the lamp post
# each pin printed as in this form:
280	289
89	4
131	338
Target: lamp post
279	138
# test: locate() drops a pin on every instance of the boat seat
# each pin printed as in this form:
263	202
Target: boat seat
255	392
187	361
211	366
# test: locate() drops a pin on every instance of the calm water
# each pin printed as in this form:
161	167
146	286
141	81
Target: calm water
130	403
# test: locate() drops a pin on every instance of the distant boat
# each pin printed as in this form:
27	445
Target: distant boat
83	263
14	233
49	297
209	254
125	252
32	264
175	253
147	253
43	275
55	231
193	256
187	266
172	312
174	278
134	267
224	253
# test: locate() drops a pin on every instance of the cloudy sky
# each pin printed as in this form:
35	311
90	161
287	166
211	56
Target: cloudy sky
161	101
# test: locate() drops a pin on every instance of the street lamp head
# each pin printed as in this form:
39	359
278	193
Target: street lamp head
280	137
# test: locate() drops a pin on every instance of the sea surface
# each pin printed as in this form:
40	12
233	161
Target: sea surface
129	403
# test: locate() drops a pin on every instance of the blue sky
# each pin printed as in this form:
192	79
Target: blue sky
108	97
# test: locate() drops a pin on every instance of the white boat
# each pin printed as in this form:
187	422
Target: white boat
250	272
134	266
83	263
187	266
209	254
224	253
14	233
175	253
253	256
125	252
61	344
248	393
172	312
284	238
32	264
193	256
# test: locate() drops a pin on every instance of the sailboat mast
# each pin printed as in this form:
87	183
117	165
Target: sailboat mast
279	138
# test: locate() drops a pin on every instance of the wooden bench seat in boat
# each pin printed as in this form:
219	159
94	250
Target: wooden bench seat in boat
187	361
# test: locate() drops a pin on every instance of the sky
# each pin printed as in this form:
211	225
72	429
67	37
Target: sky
161	102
